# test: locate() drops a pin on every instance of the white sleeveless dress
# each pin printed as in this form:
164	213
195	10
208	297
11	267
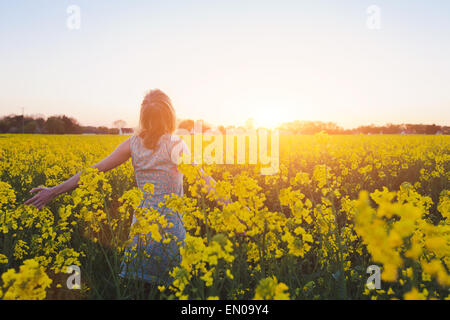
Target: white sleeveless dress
159	168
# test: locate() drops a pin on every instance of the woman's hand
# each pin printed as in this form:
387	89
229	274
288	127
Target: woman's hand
44	196
121	154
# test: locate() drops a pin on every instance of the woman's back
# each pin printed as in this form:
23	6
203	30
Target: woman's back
156	166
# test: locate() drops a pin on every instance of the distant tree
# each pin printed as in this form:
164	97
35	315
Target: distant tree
222	129
393	129
55	125
71	125
61	125
206	127
432	129
31	127
119	124
4	125
14	129
127	130
40	121
186	124
103	130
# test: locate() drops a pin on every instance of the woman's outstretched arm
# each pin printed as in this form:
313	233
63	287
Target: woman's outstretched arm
210	184
121	154
180	153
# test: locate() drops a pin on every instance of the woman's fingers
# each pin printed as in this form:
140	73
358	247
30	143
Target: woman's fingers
36	201
40	205
31	200
36	189
41	199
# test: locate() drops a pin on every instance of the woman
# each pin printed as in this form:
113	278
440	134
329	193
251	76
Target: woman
151	151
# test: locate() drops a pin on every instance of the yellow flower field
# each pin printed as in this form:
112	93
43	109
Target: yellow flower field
338	205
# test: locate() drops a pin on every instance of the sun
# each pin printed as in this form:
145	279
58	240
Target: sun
269	117
266	121
265	110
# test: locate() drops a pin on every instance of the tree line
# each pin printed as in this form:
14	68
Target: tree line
311	127
58	124
62	124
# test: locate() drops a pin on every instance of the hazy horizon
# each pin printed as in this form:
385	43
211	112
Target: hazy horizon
226	125
227	62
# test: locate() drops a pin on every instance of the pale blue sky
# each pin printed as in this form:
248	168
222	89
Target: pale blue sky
228	61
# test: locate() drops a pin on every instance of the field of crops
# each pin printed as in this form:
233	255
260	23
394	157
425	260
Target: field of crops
338	205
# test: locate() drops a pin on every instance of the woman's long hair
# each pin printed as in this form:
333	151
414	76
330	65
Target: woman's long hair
157	118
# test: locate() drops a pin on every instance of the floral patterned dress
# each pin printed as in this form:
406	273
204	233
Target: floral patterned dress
159	168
